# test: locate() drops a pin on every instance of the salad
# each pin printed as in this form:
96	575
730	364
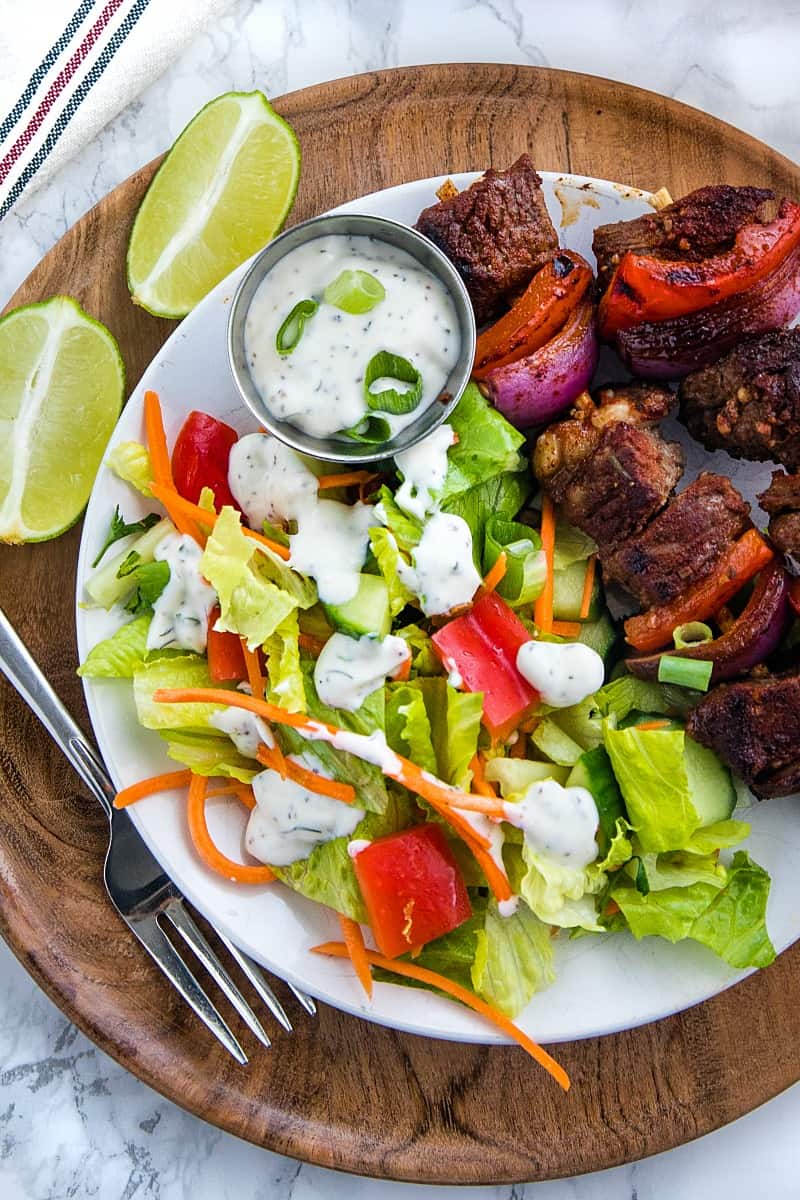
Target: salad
410	681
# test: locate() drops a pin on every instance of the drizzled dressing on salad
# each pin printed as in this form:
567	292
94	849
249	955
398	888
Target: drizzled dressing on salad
181	612
319	384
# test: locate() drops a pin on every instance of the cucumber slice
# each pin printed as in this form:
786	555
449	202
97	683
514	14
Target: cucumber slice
710	784
568	593
367	612
593	772
600	635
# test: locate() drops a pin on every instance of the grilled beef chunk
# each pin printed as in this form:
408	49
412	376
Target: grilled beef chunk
782	501
697	226
753	726
607	470
682	544
748	402
497	233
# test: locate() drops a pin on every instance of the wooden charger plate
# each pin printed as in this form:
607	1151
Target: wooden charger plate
341	1092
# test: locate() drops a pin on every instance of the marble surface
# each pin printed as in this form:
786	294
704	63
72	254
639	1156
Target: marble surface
74	1124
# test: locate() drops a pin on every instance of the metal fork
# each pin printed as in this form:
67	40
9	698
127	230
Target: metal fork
140	891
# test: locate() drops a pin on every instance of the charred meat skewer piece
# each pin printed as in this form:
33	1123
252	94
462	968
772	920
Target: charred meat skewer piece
754	726
748	402
782	501
497	233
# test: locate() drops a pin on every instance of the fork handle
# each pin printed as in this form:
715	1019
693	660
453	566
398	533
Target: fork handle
24	674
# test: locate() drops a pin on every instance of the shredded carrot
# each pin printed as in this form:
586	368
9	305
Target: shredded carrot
402	770
433	979
254	674
403	671
178	506
653	725
204	845
588	587
479	781
567	629
159	458
307	779
543	608
496	572
232	787
357	951
146	787
344	479
312	644
519	748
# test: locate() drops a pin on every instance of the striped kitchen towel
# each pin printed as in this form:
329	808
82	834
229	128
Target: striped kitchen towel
68	66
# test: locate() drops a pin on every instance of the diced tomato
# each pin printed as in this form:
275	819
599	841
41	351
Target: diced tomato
225	654
412	888
481	646
200	459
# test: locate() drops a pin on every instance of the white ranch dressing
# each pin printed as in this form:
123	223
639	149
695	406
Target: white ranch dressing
331	545
246	730
350	669
492	831
372	748
558	822
319	387
269	481
424	468
442	573
289	821
563	673
357	845
181	612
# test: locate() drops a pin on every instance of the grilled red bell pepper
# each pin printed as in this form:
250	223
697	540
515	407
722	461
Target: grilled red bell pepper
412	887
200	459
544	307
481	646
644	288
225	654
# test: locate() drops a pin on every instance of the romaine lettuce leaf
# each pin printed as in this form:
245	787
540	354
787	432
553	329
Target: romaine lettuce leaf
582	722
384	547
551	741
487	443
408	728
515	775
561	895
130	462
718	836
513	959
627	694
651	773
424	659
208	755
730	920
451	955
571	545
252	604
285	682
327	875
185	671
118	656
455	719
407	530
502	495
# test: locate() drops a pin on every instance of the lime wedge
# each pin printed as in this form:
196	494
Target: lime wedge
61	387
223	191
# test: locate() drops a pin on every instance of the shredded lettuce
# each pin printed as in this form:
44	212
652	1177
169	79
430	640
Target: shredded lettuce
571	545
513	959
626	695
284	676
130	462
187	671
208	755
502	495
515	775
251	603
730	920
387	555
487	443
424	659
407	530
408	728
118	656
558	895
551	741
436	726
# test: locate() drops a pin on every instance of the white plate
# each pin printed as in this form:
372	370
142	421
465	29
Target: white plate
603	985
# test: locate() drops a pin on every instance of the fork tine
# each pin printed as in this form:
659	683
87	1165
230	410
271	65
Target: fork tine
164	954
196	940
306	1001
256	977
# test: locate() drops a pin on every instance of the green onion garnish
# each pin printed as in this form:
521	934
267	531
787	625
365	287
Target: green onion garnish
693	633
525	562
686	672
371	430
390	367
354	292
290	332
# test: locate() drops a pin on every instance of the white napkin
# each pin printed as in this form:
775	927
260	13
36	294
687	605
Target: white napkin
68	66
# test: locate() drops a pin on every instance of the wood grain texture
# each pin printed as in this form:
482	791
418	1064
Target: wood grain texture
340	1092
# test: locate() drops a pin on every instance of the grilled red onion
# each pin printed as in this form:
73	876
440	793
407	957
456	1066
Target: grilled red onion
535	389
671	349
750	640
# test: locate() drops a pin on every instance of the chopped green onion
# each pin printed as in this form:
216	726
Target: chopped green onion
693	633
687	672
390	367
354	292
525	562
291	330
370	430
